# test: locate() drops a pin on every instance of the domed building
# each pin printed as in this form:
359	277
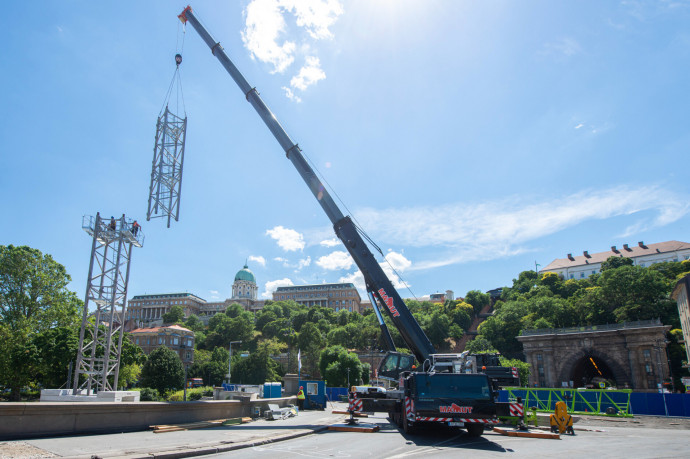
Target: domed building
244	286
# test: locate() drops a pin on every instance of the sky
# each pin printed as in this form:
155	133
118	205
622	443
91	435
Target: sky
470	140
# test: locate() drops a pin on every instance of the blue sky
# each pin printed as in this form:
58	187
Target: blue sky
469	139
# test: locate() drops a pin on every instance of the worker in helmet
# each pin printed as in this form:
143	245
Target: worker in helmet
112	223
300	398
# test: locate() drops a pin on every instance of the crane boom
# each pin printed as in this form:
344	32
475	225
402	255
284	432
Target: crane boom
375	278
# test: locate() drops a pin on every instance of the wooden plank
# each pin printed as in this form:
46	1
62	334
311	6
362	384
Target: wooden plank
356	414
527	434
363	428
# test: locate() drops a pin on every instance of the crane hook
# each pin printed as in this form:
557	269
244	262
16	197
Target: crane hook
178	59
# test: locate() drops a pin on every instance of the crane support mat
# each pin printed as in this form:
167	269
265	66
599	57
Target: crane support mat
364	428
355	414
527	434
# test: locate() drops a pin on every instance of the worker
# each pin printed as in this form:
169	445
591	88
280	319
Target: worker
112	223
300	398
135	228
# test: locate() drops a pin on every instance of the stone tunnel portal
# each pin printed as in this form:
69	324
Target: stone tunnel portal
589	370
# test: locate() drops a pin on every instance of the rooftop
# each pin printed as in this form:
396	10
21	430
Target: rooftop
157	329
628	251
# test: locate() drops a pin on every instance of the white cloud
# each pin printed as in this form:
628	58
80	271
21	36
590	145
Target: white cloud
213	292
288	239
309	74
258	258
330	242
303	263
497	229
289	93
271	287
579	126
336	260
264	23
266	28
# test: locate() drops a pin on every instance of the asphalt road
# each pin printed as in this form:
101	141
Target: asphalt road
389	442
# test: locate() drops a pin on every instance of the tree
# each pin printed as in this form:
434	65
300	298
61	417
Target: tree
163	370
259	367
174	316
33	299
340	367
523	369
194	323
480	345
478	300
614	262
310	341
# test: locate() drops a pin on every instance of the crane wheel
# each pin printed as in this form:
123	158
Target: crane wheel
475	430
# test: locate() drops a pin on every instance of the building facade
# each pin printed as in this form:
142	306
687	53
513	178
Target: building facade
583	266
148	310
631	354
334	296
175	337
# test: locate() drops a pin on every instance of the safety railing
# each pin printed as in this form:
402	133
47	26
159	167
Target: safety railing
591	401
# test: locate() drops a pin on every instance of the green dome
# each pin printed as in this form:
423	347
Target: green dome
245	274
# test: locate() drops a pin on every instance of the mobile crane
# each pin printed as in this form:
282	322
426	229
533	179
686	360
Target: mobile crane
447	389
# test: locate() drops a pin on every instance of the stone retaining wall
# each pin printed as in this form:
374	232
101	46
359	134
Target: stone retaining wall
31	420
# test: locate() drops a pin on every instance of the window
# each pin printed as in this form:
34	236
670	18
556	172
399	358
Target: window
539	357
648	369
175	341
572	276
647	354
582	275
312	388
189	355
160	340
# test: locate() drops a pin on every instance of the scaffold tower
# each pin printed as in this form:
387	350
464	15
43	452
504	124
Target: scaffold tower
100	337
168	157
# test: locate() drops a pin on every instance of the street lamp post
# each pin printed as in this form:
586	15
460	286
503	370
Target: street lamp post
348	377
230	359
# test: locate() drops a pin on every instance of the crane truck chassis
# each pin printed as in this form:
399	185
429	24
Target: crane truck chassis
447	389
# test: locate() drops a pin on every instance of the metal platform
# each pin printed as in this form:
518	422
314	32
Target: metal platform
106	234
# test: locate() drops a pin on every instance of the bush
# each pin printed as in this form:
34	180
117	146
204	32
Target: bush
146	394
196	395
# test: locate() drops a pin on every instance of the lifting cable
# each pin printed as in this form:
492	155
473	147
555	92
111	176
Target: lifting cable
176	82
357	225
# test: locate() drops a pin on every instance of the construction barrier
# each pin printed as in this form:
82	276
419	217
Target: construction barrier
334	393
577	401
656	404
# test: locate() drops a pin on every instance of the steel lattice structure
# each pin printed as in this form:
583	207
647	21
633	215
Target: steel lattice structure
100	340
166	170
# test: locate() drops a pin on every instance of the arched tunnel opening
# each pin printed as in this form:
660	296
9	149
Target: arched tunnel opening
589	371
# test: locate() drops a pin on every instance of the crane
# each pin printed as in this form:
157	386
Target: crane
448	389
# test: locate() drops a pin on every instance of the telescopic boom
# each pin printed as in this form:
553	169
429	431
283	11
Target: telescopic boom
376	280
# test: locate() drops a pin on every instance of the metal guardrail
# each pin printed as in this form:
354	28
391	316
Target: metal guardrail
590	401
559	331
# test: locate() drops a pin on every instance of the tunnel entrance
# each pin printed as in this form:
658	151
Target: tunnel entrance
589	370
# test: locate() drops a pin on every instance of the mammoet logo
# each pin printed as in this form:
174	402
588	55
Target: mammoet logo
389	303
455	409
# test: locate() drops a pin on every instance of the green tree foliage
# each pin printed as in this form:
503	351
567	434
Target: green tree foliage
174	316
310	341
338	366
614	262
34	300
523	369
478	300
259	367
480	345
163	370
194	323
621	292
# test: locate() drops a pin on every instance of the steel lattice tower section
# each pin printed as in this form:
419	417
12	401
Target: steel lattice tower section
100	341
166	170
